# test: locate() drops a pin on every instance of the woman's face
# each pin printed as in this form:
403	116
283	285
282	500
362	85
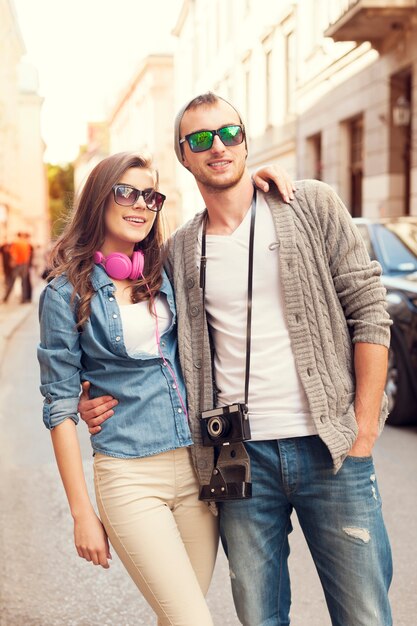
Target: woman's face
127	225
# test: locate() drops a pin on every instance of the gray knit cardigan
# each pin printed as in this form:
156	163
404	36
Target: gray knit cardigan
333	298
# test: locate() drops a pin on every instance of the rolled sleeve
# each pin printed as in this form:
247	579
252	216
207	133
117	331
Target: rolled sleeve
59	356
55	412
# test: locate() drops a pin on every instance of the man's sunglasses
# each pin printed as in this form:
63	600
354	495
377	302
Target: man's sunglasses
201	140
126	195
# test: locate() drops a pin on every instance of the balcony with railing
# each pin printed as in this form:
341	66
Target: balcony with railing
370	20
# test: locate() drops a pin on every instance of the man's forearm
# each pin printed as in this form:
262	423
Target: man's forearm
371	362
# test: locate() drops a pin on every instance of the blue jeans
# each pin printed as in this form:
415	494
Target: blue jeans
340	515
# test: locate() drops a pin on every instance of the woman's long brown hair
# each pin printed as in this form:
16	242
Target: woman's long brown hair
84	233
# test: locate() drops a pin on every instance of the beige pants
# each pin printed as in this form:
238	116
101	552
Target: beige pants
166	538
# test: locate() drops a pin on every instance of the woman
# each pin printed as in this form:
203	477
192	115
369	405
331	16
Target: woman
108	317
108	321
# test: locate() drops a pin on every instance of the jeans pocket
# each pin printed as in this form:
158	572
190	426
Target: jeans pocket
360	459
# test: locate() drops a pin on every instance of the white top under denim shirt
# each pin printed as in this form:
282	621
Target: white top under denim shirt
149	418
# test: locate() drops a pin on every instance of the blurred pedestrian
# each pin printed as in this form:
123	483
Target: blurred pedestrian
19	258
38	263
27	281
7	270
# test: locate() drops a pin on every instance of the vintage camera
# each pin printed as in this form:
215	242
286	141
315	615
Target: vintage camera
225	428
226	424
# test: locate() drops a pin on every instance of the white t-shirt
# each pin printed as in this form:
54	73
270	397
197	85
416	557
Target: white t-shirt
139	325
278	406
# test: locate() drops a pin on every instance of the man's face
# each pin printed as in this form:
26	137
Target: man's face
220	167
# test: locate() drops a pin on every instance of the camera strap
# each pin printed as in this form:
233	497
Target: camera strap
203	263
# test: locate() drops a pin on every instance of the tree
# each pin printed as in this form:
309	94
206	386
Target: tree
61	194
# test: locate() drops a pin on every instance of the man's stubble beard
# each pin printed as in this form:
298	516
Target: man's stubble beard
214	187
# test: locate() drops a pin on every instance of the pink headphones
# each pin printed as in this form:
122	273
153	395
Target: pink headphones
120	266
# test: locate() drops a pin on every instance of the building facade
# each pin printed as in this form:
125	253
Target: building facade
327	89
91	153
23	188
358	106
141	121
245	51
33	186
11	52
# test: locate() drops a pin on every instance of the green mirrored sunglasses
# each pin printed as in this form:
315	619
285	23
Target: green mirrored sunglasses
201	140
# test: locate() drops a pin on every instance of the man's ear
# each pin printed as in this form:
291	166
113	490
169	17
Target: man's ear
185	162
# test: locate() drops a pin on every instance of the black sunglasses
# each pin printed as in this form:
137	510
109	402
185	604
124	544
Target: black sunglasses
126	195
201	140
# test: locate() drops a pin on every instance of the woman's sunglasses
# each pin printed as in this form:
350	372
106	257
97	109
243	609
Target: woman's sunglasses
201	140
126	195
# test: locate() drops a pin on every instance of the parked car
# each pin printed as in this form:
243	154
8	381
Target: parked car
393	242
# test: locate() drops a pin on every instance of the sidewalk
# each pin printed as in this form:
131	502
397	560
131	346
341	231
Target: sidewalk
12	315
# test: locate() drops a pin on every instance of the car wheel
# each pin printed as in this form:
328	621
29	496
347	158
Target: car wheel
401	402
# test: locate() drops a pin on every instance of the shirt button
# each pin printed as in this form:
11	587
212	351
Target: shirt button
163	344
114	316
174	386
118	338
111	299
179	410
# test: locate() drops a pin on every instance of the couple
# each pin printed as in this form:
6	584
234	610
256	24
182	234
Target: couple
319	338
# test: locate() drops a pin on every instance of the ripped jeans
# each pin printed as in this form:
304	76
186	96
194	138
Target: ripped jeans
340	515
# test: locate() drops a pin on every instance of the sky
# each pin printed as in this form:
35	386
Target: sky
85	51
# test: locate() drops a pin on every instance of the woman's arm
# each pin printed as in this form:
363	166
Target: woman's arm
89	535
60	356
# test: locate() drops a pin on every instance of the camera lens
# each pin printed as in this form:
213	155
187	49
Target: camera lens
217	427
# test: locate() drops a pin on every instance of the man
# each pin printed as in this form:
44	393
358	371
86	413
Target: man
7	269
20	256
319	339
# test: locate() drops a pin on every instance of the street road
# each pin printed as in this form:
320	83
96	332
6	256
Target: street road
43	581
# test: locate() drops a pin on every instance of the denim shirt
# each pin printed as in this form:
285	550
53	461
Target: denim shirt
149	417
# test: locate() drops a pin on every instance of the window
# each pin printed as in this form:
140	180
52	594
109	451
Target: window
247	94
356	165
290	72
269	88
396	257
315	157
